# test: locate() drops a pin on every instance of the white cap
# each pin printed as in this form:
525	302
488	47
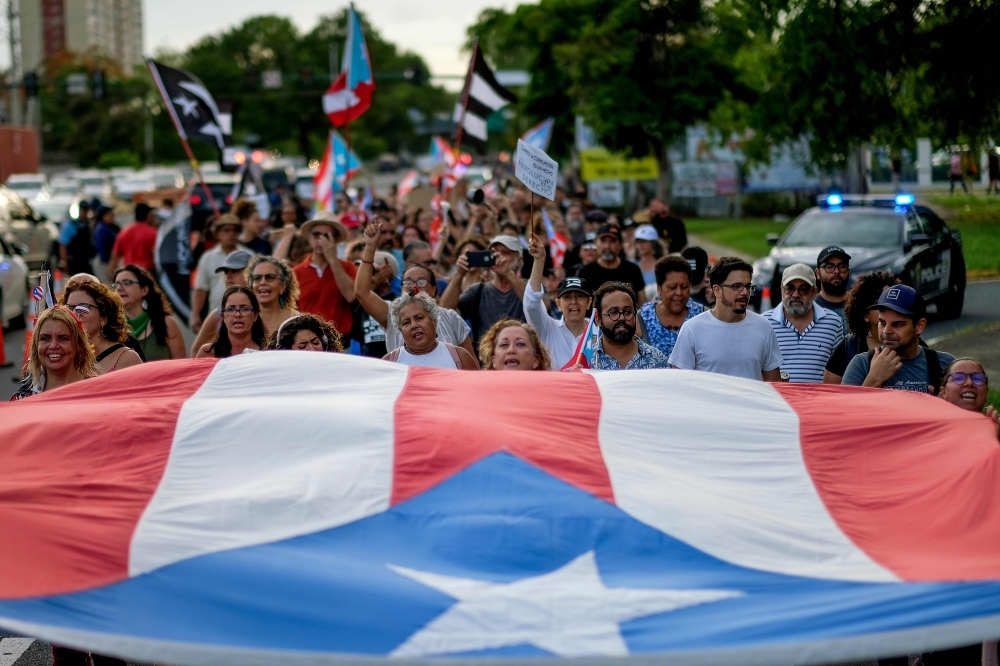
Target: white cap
509	242
798	272
647	232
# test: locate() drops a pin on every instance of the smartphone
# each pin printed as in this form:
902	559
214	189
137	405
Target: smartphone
483	259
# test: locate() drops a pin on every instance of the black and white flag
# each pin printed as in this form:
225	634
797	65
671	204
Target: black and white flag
481	97
192	107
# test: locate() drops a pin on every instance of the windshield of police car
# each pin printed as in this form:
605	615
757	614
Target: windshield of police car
846	228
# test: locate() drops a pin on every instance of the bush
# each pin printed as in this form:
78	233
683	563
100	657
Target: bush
119	158
769	204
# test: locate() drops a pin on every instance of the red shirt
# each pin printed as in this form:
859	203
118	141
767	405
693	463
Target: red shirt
321	295
136	244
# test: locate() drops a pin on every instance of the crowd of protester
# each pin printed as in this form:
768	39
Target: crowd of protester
476	285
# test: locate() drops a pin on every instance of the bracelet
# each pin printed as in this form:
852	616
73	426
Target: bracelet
365	261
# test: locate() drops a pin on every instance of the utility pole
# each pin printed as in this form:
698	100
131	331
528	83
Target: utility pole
13	39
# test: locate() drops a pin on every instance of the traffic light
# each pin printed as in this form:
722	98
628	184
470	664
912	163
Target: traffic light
30	84
100	84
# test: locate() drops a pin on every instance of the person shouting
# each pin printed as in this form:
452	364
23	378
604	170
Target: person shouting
513	345
574	299
415	315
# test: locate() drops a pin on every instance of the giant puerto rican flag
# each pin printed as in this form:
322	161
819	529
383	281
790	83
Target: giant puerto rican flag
309	508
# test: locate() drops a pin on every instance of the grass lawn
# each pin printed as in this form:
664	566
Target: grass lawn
993	398
746	235
978	218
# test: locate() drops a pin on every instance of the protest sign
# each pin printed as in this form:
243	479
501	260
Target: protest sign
599	164
536	170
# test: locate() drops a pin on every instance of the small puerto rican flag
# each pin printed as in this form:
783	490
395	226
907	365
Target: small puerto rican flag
584	353
351	94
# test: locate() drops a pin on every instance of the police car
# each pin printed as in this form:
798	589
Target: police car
890	233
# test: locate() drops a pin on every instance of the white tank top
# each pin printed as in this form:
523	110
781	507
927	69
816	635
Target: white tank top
440	357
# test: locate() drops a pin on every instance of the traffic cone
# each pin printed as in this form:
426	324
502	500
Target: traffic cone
765	298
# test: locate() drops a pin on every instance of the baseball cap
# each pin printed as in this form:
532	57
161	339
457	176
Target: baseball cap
646	232
902	299
610	230
588	241
697	258
236	260
573	284
832	251
509	242
597	216
799	272
380	206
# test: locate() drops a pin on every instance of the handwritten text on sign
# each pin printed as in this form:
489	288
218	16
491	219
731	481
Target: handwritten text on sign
536	170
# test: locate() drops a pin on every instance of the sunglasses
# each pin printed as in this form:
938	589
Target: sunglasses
978	378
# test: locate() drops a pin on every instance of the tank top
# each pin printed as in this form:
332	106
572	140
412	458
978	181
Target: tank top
440	357
153	350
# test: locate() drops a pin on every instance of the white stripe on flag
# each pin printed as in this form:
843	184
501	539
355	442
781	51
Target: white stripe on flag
484	92
457	115
732	483
251	466
475	126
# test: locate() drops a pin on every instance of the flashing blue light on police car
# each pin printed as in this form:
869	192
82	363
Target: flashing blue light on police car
834	200
905	199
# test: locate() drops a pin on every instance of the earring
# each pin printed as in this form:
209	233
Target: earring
145	305
281	302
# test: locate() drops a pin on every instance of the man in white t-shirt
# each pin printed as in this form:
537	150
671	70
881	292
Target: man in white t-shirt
727	339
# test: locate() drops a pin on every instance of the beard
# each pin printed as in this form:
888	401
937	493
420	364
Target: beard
738	306
798	308
620	333
833	288
608	256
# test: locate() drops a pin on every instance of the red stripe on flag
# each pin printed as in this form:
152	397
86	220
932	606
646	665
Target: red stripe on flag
447	420
911	479
79	465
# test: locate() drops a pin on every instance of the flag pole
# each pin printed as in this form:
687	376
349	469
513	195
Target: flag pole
181	135
465	99
347	162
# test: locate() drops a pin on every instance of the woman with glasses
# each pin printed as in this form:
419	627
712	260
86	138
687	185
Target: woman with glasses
102	313
149	314
276	288
241	327
966	385
417	278
513	345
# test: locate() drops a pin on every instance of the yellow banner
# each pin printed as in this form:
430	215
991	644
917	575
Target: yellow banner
599	164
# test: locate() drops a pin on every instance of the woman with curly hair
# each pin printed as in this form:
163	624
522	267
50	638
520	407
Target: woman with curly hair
59	354
513	345
254	228
103	316
863	329
306	332
415	315
276	288
241	328
149	314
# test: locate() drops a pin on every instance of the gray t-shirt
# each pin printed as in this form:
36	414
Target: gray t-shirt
450	328
911	377
492	305
741	349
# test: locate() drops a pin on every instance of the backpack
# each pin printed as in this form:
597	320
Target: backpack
81	247
933	368
394	354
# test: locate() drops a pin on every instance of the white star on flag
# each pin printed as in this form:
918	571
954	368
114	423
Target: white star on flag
189	107
568	612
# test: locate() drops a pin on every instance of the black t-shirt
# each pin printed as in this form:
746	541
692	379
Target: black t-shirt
259	245
366	332
626	272
672	229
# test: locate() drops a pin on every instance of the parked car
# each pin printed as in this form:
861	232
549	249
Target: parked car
57	209
13	284
880	233
63	186
304	183
20	225
27	185
221	185
128	187
95	184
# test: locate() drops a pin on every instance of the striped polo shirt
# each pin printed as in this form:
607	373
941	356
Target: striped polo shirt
804	355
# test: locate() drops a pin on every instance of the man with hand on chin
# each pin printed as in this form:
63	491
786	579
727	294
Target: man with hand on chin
574	299
727	339
901	362
618	347
326	282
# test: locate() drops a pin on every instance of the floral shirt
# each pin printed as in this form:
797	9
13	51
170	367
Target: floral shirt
659	335
647	358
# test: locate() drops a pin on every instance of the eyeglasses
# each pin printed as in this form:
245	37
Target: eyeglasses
82	308
737	287
978	378
420	282
124	283
241	311
614	314
802	289
265	277
833	268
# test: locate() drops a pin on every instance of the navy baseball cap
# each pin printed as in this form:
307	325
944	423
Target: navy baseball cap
573	284
610	230
902	299
832	251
